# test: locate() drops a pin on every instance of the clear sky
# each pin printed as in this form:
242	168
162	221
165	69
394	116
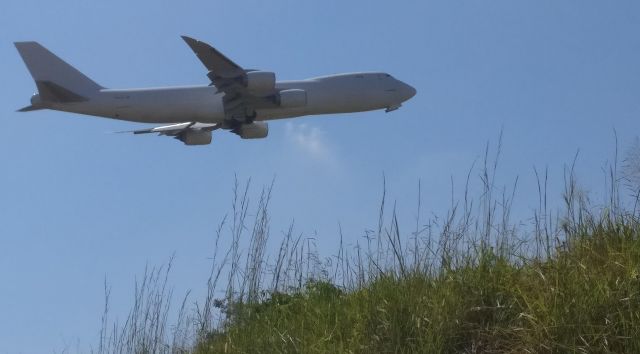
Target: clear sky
78	204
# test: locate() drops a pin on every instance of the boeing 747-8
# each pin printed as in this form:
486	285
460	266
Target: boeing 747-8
237	99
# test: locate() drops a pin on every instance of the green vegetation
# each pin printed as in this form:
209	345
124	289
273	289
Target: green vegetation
471	282
586	298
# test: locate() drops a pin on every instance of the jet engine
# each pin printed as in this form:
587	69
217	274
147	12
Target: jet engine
260	81
292	98
255	130
195	137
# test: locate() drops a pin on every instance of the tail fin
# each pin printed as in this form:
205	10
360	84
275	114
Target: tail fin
56	80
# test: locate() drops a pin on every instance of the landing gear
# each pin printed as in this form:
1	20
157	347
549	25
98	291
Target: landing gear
250	115
239	114
392	108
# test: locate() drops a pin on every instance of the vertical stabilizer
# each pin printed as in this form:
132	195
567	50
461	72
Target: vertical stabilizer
56	80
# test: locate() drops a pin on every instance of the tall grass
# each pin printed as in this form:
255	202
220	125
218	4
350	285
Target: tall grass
470	281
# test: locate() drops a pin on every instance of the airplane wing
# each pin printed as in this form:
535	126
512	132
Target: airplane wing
229	78
175	129
220	67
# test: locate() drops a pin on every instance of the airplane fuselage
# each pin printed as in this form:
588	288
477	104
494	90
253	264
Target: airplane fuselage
237	99
343	93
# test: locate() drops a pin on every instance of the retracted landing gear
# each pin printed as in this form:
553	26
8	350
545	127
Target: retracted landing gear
393	108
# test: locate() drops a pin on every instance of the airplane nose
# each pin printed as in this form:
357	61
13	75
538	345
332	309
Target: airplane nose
408	91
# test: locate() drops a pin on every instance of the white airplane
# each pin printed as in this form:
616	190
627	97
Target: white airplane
237	99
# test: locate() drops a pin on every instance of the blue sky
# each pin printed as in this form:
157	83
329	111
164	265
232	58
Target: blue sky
78	204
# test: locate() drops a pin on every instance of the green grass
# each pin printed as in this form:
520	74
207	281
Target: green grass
472	281
586	298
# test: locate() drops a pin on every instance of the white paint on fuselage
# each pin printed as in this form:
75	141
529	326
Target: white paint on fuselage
153	105
344	93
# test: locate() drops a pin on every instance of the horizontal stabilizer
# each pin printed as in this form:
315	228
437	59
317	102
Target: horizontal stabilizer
29	109
51	92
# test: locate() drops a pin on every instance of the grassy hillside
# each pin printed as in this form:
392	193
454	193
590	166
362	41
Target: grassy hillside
472	281
585	298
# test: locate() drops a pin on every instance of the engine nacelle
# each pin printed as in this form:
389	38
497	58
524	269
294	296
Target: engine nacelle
195	137
260	81
255	130
292	98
